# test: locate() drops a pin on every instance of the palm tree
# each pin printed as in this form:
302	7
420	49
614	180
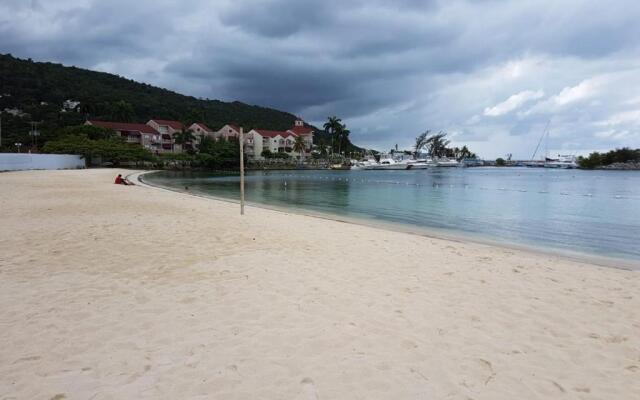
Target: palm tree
437	144
299	146
331	126
342	136
421	141
322	145
183	137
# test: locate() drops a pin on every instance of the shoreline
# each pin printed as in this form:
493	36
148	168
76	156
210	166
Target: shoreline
460	237
113	291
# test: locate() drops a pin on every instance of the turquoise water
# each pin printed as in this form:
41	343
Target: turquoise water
589	212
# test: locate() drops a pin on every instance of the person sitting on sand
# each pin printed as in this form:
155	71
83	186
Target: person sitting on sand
121	181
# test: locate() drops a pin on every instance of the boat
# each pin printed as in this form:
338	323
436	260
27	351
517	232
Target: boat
563	161
388	164
339	167
534	164
471	162
447	162
358	165
420	164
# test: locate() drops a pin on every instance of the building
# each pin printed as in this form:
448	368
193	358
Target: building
301	130
141	134
167	129
227	132
258	140
200	130
70	105
158	136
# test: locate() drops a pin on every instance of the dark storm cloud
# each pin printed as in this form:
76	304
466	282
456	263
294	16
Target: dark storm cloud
391	69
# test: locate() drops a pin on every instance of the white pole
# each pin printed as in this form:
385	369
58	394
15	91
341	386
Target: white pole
0	130
241	171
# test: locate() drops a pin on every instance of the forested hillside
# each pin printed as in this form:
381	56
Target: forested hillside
36	91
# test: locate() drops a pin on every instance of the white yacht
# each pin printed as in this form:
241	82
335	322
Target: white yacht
369	162
447	162
563	161
388	164
420	164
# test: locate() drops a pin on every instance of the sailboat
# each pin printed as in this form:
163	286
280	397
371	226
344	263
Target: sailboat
533	162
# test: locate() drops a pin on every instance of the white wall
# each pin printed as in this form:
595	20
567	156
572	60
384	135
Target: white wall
15	161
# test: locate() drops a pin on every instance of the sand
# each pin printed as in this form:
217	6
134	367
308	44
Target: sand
113	292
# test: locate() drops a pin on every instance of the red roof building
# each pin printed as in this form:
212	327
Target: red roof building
141	134
272	134
124	126
173	125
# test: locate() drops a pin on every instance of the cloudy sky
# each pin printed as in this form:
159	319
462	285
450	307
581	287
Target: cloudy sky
491	73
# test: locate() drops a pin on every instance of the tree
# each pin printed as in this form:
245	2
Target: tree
206	143
437	144
331	126
500	162
219	154
122	111
92	132
185	136
299	145
342	137
421	141
112	150
465	153
595	159
322	145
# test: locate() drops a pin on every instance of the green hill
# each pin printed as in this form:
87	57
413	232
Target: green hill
39	90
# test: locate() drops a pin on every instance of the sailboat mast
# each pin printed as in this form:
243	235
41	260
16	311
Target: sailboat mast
533	157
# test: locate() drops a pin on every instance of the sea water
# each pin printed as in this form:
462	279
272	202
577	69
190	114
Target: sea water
588	212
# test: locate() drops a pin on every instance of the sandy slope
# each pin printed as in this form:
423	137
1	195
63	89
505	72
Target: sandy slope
111	292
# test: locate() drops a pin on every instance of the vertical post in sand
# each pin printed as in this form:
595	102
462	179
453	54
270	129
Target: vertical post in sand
241	171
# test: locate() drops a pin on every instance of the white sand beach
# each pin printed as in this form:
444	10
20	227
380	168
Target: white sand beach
114	292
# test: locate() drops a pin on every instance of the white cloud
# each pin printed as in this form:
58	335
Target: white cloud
576	93
586	89
512	103
625	117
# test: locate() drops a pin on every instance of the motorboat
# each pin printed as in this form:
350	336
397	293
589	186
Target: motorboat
563	161
447	162
369	162
420	164
388	164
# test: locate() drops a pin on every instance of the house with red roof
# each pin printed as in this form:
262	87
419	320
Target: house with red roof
167	129
304	131
141	134
227	132
200	130
258	140
157	135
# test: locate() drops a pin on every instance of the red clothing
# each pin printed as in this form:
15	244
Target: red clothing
119	180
